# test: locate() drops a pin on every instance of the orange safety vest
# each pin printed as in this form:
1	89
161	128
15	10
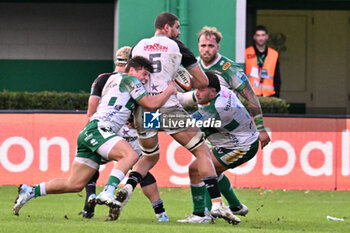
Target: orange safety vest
261	79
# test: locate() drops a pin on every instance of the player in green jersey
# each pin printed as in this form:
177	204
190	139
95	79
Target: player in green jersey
99	138
233	143
230	75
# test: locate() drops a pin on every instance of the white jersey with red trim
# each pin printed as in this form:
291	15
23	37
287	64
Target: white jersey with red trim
166	56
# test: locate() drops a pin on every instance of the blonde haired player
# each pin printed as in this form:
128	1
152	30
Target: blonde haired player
166	53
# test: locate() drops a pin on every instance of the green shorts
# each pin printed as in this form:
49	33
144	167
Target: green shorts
91	138
232	158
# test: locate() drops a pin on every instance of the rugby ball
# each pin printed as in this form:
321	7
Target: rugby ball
183	80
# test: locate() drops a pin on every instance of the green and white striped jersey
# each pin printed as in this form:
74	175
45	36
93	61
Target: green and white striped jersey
119	95
230	74
237	128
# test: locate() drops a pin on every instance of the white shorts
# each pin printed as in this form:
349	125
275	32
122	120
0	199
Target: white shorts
174	113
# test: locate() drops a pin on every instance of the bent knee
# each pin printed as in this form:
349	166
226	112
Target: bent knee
192	169
132	155
75	188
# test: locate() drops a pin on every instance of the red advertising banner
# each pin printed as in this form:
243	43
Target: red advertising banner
305	153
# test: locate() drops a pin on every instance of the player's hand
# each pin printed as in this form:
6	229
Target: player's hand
264	138
172	85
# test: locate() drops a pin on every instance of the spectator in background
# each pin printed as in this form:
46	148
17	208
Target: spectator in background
262	65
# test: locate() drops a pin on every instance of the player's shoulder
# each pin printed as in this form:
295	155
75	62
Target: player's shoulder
101	79
157	44
225	101
226	67
224	93
227	64
103	75
129	79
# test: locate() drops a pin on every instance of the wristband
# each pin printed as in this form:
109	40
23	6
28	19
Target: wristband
258	119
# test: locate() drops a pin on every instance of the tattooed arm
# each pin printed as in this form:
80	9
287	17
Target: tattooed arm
255	111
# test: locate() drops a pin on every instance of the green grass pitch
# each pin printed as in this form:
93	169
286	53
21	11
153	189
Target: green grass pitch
270	211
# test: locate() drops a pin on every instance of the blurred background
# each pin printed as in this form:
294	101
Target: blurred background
63	45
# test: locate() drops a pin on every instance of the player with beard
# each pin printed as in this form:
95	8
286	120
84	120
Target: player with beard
167	53
231	76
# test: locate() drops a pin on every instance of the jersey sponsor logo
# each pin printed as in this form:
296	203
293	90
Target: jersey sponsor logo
155	48
226	65
118	107
109	115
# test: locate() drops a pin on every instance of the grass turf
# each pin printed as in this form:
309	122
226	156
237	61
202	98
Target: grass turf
270	211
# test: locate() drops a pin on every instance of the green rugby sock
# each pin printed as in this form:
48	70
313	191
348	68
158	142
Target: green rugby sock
113	181
207	199
198	193
37	190
227	191
40	190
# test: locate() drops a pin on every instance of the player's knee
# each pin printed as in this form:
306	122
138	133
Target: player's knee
147	180
131	155
77	187
150	151
195	142
192	169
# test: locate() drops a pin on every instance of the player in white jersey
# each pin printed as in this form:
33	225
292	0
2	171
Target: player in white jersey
233	143
148	184
99	138
167	53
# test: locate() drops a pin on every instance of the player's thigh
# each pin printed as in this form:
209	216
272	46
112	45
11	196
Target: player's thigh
145	163
184	137
81	173
219	168
232	158
121	149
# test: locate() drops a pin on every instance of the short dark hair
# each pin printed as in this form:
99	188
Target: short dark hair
138	63
165	18
261	28
213	80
